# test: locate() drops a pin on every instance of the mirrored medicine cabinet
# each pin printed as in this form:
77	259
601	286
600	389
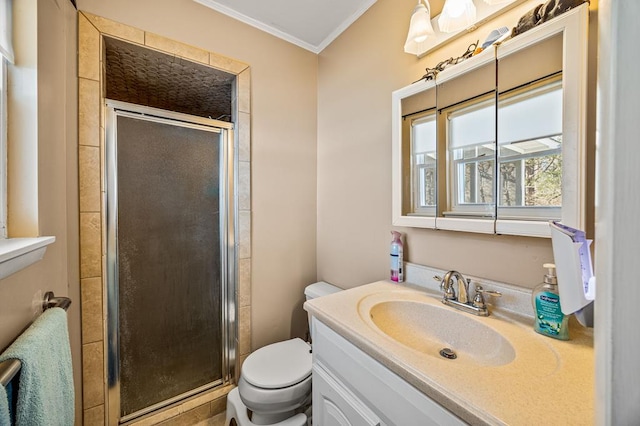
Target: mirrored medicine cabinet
496	144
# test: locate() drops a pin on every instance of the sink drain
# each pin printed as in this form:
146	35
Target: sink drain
448	353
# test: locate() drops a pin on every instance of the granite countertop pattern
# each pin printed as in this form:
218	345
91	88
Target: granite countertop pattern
548	382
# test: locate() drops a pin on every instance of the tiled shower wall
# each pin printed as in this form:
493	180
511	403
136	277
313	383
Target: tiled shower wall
91	119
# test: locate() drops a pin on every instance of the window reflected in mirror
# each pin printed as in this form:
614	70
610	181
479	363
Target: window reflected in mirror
471	145
424	163
419	159
530	151
467	125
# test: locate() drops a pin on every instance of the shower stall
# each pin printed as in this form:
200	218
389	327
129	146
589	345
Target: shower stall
171	258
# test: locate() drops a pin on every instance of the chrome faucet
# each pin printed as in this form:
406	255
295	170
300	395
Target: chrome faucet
463	287
477	306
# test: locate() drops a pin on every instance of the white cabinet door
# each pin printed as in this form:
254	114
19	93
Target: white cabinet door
358	390
335	405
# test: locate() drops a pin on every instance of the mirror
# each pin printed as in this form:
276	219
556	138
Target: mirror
530	133
414	156
466	139
497	143
419	162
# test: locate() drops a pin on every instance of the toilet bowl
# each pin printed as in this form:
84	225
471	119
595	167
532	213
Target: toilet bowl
275	381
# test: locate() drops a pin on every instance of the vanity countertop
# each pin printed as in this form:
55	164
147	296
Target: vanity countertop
549	381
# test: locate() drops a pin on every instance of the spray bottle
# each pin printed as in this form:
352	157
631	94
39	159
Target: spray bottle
397	265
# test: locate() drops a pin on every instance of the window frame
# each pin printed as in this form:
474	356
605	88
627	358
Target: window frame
416	175
455	207
510	97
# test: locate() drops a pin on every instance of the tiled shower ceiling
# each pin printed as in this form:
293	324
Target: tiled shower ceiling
142	76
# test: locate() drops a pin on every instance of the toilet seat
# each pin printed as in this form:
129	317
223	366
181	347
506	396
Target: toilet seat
278	365
277	377
274	400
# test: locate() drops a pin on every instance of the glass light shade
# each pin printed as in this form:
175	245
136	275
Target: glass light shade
457	15
419	29
492	2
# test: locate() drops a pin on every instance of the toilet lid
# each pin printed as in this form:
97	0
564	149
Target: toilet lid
278	365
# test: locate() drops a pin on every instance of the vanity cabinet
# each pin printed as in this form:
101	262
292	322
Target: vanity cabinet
351	388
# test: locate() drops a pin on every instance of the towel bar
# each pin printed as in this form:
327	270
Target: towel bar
11	367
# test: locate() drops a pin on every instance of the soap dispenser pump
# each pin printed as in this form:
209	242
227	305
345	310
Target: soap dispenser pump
549	319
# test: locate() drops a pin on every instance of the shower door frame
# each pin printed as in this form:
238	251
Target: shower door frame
228	248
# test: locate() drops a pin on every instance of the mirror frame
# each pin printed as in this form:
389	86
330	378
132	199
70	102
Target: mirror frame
574	27
396	154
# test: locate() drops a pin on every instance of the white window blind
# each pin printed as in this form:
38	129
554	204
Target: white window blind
535	115
424	135
6	47
472	126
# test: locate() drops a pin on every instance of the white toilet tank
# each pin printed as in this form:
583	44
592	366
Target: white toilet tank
319	289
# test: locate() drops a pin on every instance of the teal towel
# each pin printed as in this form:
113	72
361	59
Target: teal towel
45	394
5	418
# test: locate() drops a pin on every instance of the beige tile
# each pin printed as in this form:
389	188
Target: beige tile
226	64
244	225
88	49
244	90
176	48
88	112
244	330
241	359
89	178
116	29
244	185
90	245
244	282
190	404
190	417
236	372
92	375
218	405
158	418
91	295
244	136
94	416
217	420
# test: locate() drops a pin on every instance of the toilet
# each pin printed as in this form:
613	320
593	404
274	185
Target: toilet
275	381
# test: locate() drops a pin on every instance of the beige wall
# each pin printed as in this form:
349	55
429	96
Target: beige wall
49	67
283	148
341	99
356	76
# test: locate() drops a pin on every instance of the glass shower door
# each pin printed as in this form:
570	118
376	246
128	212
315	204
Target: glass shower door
169	268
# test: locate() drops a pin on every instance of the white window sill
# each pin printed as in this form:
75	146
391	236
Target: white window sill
18	253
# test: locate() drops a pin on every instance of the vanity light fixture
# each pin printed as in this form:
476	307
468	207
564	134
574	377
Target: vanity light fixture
457	15
419	29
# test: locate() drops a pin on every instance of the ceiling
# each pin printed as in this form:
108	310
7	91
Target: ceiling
310	24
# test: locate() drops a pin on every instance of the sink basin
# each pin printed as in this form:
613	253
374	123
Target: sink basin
429	327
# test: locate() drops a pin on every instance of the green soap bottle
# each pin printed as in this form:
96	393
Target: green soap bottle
549	320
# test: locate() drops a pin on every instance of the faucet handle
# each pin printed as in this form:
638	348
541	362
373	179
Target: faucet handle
478	300
446	287
443	286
